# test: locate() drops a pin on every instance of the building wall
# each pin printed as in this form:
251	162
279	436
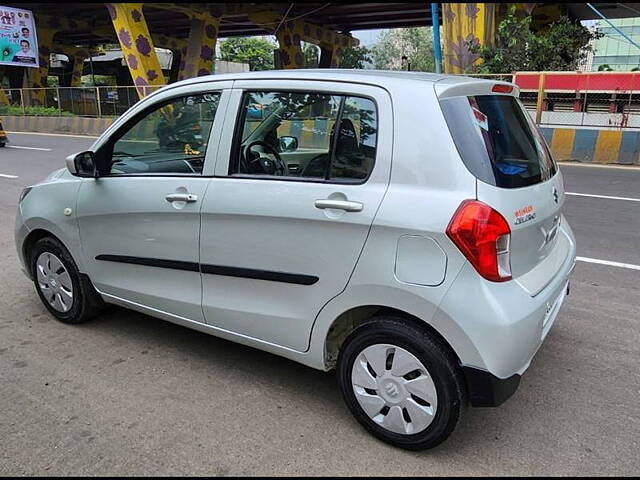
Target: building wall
613	49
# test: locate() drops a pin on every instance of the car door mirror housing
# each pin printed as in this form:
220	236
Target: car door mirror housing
82	164
288	144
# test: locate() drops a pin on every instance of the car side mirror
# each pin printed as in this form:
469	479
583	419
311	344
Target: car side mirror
288	144
82	164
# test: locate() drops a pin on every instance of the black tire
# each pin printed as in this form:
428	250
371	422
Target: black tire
86	302
2	144
441	364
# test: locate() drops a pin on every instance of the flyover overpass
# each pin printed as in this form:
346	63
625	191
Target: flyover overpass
190	31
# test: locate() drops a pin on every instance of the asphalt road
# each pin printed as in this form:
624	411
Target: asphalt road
129	394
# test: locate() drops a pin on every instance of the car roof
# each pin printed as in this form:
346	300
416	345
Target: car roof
383	78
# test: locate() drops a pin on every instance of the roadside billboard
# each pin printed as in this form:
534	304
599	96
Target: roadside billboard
18	39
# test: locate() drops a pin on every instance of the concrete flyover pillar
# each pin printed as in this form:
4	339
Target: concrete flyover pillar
199	54
37	77
291	33
464	24
77	57
137	46
290	48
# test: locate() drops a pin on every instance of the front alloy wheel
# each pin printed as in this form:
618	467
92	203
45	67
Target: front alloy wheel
54	282
64	291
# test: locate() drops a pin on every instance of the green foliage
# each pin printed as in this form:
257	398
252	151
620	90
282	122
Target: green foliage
258	53
415	43
356	57
562	45
34	111
101	80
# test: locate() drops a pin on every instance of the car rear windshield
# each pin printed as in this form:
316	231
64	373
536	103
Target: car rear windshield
498	141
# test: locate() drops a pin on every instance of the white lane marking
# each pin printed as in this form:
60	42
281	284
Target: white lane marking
606	165
607	262
52	134
3	175
607	197
28	148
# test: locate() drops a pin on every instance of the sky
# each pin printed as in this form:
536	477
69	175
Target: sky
367	37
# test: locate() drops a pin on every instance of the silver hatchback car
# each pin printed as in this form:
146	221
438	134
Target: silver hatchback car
402	228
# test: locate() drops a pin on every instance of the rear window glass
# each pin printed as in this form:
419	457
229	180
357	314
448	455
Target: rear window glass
498	141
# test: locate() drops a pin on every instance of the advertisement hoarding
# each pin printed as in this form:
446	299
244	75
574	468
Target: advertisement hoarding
18	39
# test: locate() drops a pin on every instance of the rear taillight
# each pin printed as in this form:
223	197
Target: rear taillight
484	237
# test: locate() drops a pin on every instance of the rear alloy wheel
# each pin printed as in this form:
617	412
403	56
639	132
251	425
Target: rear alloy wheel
394	389
401	383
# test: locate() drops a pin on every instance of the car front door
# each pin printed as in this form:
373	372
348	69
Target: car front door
140	220
277	243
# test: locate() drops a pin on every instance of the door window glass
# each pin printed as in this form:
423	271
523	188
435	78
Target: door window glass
293	134
355	150
169	139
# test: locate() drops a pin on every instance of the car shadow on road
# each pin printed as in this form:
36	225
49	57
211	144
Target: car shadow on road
271	372
185	344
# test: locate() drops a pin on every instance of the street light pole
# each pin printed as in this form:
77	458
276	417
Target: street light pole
435	29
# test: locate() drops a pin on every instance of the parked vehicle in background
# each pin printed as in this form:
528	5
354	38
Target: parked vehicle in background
3	136
402	228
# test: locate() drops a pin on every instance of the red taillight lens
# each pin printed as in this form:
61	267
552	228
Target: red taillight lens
483	236
196	127
497	88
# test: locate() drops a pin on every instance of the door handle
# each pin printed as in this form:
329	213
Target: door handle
181	197
345	205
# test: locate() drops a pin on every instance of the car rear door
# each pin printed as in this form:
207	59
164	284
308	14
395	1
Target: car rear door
275	249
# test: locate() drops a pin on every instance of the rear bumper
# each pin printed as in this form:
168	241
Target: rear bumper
503	322
487	390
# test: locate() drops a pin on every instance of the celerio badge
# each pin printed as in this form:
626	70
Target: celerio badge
525	214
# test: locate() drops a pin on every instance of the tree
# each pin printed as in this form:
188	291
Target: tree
355	57
415	43
257	52
562	45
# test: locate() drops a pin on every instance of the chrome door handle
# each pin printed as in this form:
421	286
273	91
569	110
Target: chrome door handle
345	205
181	197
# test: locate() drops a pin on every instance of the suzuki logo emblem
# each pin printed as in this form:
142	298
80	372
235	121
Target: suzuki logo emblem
555	194
391	389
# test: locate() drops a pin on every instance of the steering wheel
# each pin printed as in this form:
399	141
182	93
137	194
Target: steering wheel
260	164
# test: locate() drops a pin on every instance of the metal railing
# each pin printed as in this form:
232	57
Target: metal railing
583	99
602	99
107	101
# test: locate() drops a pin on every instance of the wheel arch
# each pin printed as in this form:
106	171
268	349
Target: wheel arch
30	240
351	319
